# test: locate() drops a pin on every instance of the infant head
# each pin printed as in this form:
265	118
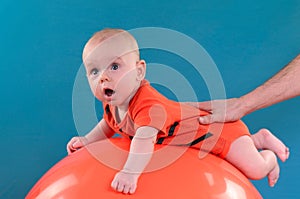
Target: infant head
114	42
114	69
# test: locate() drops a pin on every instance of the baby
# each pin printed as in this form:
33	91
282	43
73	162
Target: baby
133	108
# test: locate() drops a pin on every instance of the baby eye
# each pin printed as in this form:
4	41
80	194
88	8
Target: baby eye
94	71
114	67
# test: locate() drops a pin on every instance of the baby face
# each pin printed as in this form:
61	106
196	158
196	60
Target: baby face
114	71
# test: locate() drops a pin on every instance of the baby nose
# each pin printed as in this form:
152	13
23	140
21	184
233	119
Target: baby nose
103	77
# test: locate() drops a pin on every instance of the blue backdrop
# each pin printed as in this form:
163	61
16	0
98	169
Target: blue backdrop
41	44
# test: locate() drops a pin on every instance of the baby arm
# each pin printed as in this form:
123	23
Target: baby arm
141	150
99	132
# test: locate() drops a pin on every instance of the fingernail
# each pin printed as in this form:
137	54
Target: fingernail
201	119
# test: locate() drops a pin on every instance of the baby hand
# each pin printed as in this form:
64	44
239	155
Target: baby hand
125	182
76	143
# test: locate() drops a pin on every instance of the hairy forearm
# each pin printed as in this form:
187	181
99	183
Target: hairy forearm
284	85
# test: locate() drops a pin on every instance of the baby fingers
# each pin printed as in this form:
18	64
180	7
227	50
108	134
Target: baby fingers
126	188
123	185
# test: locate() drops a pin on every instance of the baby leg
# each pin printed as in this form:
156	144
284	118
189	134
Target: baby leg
255	165
264	139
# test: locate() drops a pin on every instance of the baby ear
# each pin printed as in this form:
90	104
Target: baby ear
141	69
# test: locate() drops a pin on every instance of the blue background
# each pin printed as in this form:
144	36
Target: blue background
40	51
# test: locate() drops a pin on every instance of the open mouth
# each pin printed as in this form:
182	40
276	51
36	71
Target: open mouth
109	92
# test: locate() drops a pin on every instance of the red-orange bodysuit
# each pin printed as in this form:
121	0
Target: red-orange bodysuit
177	122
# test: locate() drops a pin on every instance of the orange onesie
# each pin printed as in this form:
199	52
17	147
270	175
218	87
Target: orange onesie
177	122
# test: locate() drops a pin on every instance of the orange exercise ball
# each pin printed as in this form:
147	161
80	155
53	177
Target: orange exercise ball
173	173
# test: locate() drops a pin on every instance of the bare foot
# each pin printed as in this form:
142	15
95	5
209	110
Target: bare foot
264	139
273	176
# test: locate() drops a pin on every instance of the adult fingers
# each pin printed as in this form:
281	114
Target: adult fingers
207	119
206	106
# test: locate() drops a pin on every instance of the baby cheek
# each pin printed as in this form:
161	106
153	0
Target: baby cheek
97	92
93	86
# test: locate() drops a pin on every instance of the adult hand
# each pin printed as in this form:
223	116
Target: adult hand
220	110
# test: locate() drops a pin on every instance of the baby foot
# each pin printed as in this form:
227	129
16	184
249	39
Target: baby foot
266	140
273	176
